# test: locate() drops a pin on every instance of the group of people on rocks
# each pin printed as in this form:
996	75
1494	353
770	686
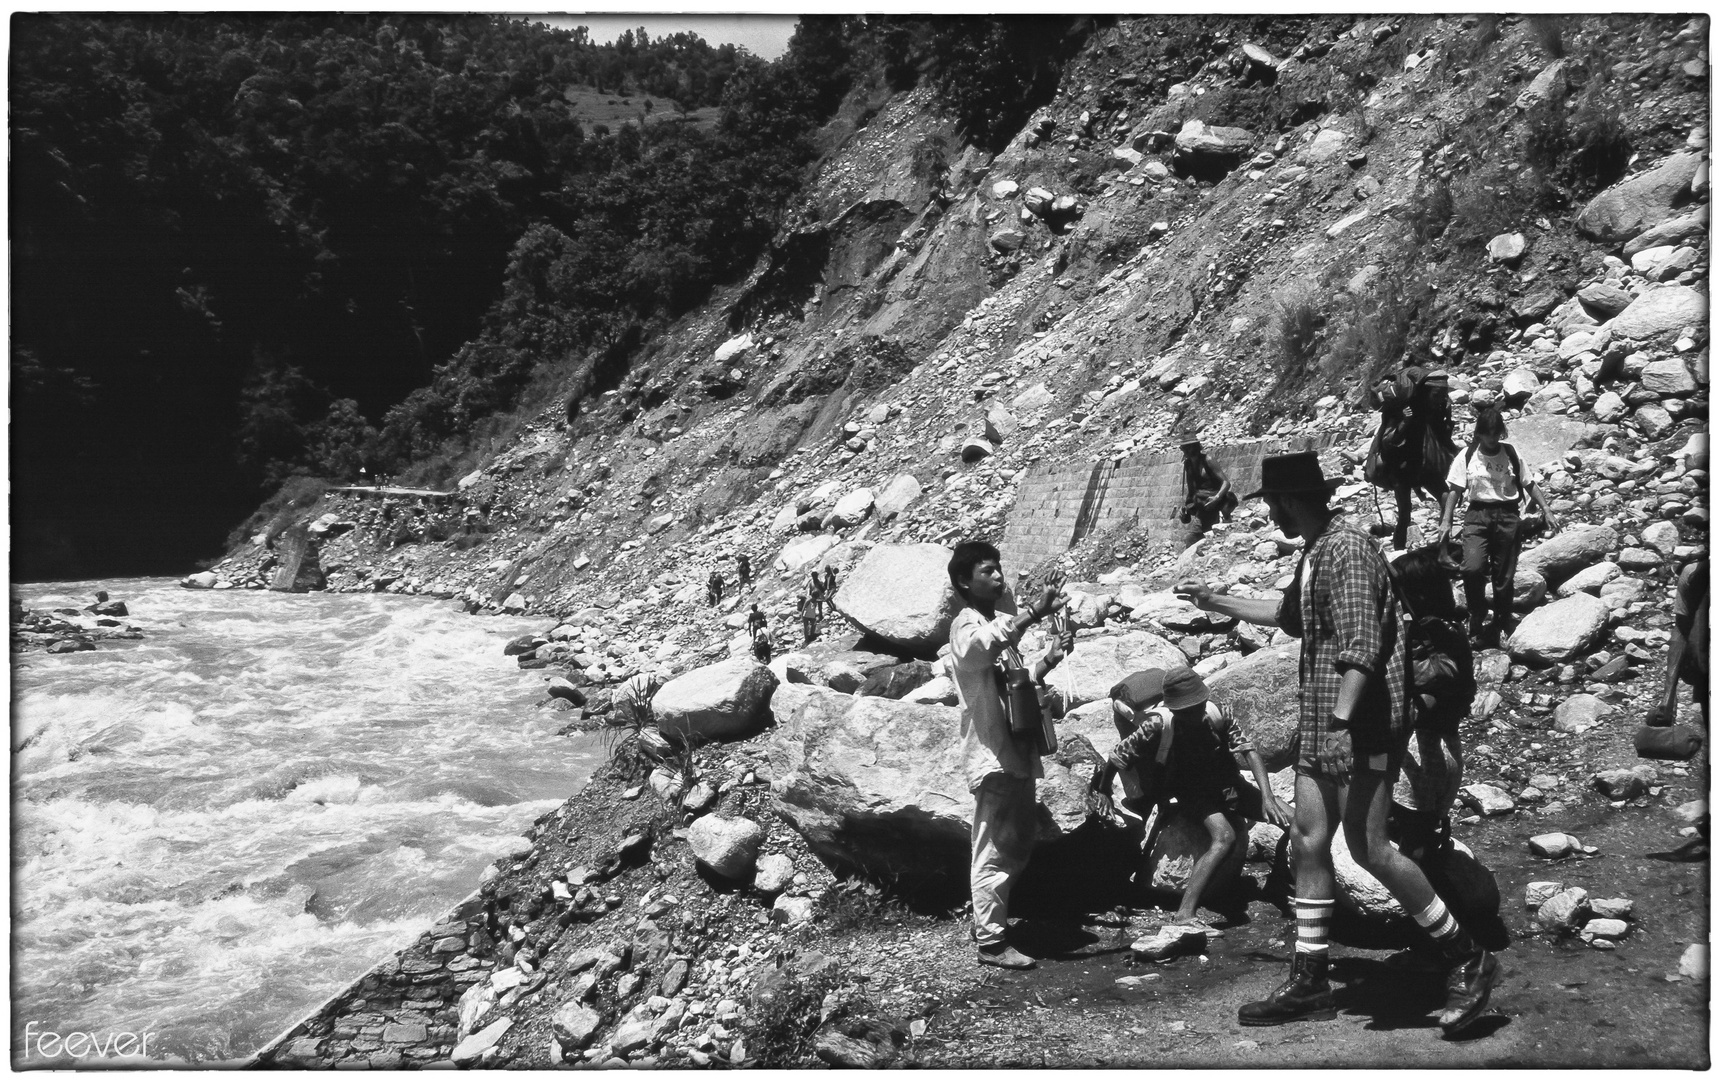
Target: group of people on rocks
819	600
814	605
1385	678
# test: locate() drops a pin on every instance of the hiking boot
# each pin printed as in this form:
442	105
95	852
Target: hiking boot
1660	716
1473	974
1002	955
1304	996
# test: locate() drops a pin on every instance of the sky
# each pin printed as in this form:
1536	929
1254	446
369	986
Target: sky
765	36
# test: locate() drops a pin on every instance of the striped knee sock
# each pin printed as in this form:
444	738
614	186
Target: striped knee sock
1437	921
1313	917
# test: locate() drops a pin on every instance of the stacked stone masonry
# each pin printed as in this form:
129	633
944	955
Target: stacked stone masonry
1058	505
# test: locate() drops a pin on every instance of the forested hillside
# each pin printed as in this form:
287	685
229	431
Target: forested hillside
239	241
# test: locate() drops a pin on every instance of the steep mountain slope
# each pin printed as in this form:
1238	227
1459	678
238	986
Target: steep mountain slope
1230	286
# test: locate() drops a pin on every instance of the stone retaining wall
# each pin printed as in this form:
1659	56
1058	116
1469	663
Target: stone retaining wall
1059	504
401	1014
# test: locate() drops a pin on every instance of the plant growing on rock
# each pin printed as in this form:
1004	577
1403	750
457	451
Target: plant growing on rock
1297	327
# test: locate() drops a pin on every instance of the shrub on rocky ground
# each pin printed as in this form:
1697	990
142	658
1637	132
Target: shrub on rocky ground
785	1015
1297	326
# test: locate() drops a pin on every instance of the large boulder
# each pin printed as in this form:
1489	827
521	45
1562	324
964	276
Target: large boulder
898	494
1260	691
726	700
1639	202
1179	839
1175	613
1094	723
1087	610
1096	665
727	845
1569	551
851	509
902	595
840	667
1660	312
1686	229
1542	440
799	553
898	680
1360	894
1669	378
878	785
1559	632
1204	151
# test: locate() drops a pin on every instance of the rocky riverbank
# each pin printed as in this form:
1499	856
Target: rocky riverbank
68	630
716	896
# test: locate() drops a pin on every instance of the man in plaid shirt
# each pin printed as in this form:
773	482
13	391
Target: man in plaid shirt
1353	725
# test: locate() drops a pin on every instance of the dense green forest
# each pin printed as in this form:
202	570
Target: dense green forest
252	247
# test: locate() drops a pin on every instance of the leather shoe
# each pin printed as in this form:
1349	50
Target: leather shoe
1002	955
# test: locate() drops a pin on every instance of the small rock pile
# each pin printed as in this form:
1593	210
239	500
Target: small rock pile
67	630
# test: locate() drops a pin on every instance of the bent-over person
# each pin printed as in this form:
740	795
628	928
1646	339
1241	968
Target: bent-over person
1186	746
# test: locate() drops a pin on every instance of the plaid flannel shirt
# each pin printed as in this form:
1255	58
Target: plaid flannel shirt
1349	619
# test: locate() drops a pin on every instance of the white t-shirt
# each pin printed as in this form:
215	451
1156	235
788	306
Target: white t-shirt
1484	477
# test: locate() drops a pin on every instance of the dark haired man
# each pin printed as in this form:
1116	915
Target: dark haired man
1353	724
1208	494
999	766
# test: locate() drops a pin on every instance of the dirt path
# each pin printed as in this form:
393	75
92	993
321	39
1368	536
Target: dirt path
1560	1003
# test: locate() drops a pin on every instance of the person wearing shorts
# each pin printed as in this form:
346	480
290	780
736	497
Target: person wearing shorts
1353	724
1190	747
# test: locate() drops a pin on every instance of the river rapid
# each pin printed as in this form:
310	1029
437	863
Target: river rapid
217	827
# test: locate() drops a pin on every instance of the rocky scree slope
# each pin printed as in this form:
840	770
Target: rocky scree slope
902	339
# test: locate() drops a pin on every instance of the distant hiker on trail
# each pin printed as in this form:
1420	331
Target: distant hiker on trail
1413	443
1492	479
1000	767
762	646
743	568
831	590
714	589
1353	725
755	620
1185	746
816	586
1208	494
809	610
1443	685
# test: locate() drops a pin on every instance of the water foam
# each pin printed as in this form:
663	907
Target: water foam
217	827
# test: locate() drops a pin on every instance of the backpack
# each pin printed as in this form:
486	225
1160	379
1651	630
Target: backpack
1413	442
1441	665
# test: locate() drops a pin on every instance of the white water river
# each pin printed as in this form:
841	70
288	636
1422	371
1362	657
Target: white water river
215	828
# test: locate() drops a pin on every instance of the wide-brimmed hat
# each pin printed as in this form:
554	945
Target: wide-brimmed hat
1190	444
1184	689
1293	474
